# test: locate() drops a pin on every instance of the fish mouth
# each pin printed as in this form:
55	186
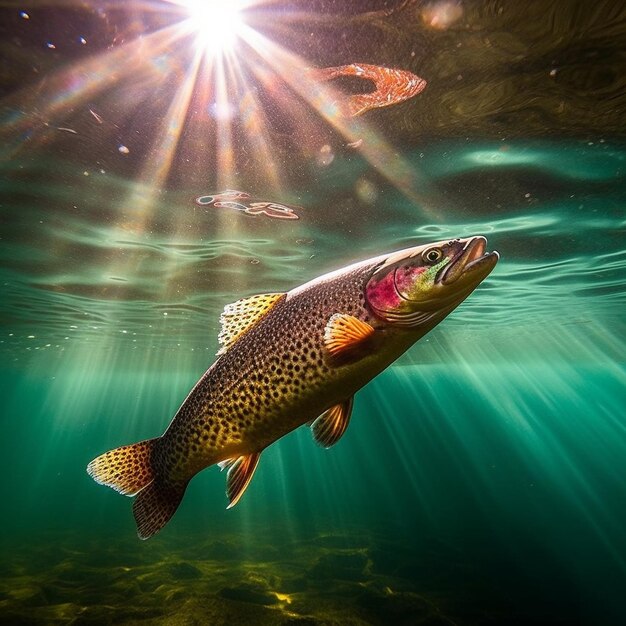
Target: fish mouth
472	261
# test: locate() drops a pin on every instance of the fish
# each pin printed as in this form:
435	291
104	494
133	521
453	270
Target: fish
392	86
243	201
290	359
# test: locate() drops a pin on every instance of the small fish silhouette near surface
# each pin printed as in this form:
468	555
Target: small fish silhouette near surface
289	359
242	201
392	86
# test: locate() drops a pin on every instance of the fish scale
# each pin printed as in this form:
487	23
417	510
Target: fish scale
291	359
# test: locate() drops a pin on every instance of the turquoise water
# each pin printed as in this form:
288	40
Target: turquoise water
481	480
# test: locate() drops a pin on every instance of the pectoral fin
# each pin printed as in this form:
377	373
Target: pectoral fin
347	337
240	472
328	428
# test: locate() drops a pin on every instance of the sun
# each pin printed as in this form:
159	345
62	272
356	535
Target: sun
216	23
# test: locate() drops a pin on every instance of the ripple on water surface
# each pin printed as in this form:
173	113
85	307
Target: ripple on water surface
84	267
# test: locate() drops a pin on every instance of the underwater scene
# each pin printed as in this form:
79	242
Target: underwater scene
442	419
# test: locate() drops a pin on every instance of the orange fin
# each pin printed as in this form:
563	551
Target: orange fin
154	506
126	469
240	472
345	334
240	316
328	428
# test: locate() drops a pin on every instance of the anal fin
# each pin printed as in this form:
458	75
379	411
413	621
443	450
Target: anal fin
240	472
330	426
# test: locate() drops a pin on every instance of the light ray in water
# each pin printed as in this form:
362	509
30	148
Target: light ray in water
531	407
78	84
157	165
225	150
224	70
515	430
295	72
256	128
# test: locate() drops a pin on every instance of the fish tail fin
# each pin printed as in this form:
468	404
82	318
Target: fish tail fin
154	506
127	469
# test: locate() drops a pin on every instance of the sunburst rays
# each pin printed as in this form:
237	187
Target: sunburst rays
221	92
185	115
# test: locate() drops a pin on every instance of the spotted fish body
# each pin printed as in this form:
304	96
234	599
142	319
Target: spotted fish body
291	359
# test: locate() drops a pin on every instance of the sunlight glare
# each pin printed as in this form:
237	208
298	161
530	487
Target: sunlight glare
216	23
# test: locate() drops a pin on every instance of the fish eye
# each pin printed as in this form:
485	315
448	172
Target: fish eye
432	255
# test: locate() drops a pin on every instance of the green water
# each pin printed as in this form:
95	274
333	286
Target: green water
482	478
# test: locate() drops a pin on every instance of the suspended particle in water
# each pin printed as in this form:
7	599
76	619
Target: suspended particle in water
442	15
325	156
366	191
123	149
24	15
50	45
96	116
82	40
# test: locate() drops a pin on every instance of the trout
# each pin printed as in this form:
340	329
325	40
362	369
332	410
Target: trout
289	359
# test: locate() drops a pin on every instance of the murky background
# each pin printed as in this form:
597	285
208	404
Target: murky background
481	480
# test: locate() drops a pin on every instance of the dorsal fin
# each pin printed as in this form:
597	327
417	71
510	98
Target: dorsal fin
330	426
239	316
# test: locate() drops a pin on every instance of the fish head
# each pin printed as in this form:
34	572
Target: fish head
413	286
